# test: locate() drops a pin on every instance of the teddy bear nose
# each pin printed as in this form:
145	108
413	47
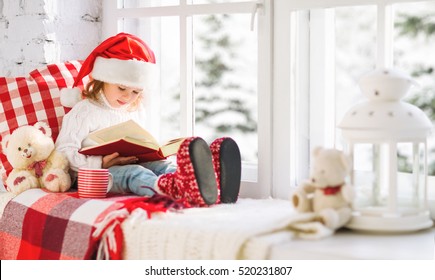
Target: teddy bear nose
25	150
313	180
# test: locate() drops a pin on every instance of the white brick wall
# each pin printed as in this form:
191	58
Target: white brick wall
37	32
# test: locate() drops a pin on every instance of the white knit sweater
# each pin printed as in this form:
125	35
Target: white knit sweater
85	117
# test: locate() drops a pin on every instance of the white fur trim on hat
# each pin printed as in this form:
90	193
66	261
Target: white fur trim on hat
131	73
70	96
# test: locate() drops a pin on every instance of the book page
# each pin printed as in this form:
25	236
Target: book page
171	147
128	129
172	141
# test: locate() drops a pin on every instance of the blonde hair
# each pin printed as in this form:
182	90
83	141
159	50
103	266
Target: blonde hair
95	87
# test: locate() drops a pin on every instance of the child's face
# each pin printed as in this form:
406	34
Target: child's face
119	95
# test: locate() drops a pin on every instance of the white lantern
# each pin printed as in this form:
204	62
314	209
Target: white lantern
387	141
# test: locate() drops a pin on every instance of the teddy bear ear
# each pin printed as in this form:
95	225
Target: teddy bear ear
44	128
5	142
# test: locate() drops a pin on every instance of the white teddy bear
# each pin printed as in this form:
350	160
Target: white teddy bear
30	151
326	193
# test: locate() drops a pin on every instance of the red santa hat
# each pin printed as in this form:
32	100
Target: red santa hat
122	59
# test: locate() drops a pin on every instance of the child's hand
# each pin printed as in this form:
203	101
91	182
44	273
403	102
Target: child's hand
115	159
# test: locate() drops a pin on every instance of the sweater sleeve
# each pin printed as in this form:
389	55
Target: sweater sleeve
76	126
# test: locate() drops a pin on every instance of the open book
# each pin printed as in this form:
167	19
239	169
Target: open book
130	139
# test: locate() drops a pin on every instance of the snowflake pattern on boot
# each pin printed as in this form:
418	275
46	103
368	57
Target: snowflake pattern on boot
185	178
183	184
227	166
167	186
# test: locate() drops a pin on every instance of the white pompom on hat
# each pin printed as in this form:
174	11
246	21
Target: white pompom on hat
122	59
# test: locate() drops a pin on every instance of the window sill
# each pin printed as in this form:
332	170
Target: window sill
351	245
257	229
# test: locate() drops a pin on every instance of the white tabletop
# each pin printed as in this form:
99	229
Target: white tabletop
347	244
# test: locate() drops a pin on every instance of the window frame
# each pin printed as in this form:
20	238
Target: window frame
256	179
302	129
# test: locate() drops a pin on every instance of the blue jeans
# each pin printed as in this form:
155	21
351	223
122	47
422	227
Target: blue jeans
135	178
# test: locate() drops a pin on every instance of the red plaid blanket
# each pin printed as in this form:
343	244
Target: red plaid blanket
41	225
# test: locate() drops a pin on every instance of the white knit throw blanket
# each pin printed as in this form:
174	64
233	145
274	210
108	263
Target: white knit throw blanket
244	230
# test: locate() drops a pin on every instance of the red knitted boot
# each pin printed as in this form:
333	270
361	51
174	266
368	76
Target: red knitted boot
166	185
194	180
228	167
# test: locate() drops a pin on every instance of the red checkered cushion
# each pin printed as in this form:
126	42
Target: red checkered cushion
27	100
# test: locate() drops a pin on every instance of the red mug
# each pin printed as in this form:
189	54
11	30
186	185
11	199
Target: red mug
93	183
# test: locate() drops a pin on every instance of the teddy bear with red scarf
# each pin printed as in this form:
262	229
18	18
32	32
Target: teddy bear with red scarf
326	193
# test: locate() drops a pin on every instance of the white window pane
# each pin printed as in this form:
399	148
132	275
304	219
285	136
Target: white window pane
163	36
225	74
355	54
413	52
169	54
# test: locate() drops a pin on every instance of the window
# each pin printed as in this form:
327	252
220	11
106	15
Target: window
320	50
210	63
286	85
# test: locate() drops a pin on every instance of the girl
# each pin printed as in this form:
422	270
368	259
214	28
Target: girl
121	69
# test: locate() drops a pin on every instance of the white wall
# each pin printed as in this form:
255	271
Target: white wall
37	32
